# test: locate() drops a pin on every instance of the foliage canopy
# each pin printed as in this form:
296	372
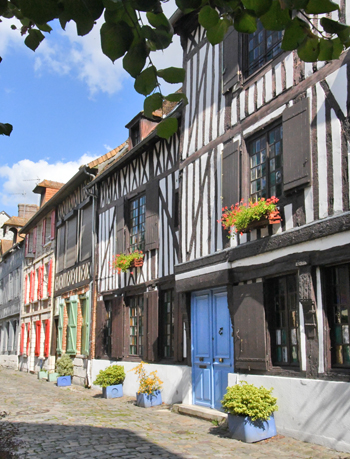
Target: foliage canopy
128	34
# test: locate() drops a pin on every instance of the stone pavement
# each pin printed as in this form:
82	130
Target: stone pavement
49	422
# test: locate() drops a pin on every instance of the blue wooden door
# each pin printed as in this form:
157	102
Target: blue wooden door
212	347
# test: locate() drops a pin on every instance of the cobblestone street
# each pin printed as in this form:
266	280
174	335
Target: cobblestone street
44	421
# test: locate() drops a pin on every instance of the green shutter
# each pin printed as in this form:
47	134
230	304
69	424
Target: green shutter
85	329
60	329
72	309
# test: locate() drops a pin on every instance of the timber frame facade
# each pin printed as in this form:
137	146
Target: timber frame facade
281	130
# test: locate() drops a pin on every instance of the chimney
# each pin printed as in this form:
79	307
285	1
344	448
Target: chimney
27	210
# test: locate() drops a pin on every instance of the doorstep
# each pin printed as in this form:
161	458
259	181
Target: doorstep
200	412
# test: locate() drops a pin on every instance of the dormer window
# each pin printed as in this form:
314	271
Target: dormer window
135	134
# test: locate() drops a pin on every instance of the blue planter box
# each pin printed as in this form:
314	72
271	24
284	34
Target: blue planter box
147	401
244	429
115	391
64	381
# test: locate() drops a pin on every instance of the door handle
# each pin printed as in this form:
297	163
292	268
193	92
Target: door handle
221	331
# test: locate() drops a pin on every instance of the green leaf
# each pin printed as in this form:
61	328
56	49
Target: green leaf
34	38
112	4
333	27
294	4
176	97
161	38
152	103
3	6
216	34
309	50
40	11
5	129
144	5
135	58
167	127
172	74
44	27
275	18
83	12
116	39
259	7
245	23
158	21
330	49
294	34
146	81
320	7
208	17
188	5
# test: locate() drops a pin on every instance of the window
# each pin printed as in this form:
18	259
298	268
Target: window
137	223
71	250
167	324
86	233
262	46
285	320
136	316
135	134
338	309
266	164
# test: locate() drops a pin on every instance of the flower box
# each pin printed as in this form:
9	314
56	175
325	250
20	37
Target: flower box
244	429
136	263
115	391
148	400
64	381
53	377
272	219
42	374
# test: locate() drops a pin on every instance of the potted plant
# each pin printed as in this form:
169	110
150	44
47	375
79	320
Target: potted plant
64	367
149	387
250	412
111	380
122	262
247	216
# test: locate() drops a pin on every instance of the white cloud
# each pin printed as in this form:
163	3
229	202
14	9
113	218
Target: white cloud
9	38
20	179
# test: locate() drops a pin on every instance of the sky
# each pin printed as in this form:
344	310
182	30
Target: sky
68	104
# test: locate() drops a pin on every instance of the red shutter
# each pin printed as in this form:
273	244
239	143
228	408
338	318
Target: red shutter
49	282
47	338
34	239
26	249
43	234
21	348
37	337
31	287
42	280
25	289
28	338
39	284
53	224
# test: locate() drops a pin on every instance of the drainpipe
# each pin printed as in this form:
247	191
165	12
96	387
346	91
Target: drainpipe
92	283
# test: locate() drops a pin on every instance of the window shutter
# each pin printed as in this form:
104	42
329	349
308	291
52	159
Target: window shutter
60	329
230	174
47	338
42	281
71	251
34	239
10	337
28	339
61	247
152	211
120	222
100	329
249	327
25	289
86	350
53	224
21	347
296	146
230	70
117	351
38	290
178	328
37	337
72	327
43	233
49	280
151	302
86	233
26	249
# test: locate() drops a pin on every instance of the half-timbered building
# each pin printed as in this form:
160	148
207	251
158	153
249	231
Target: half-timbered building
137	315
270	306
75	225
11	284
38	278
